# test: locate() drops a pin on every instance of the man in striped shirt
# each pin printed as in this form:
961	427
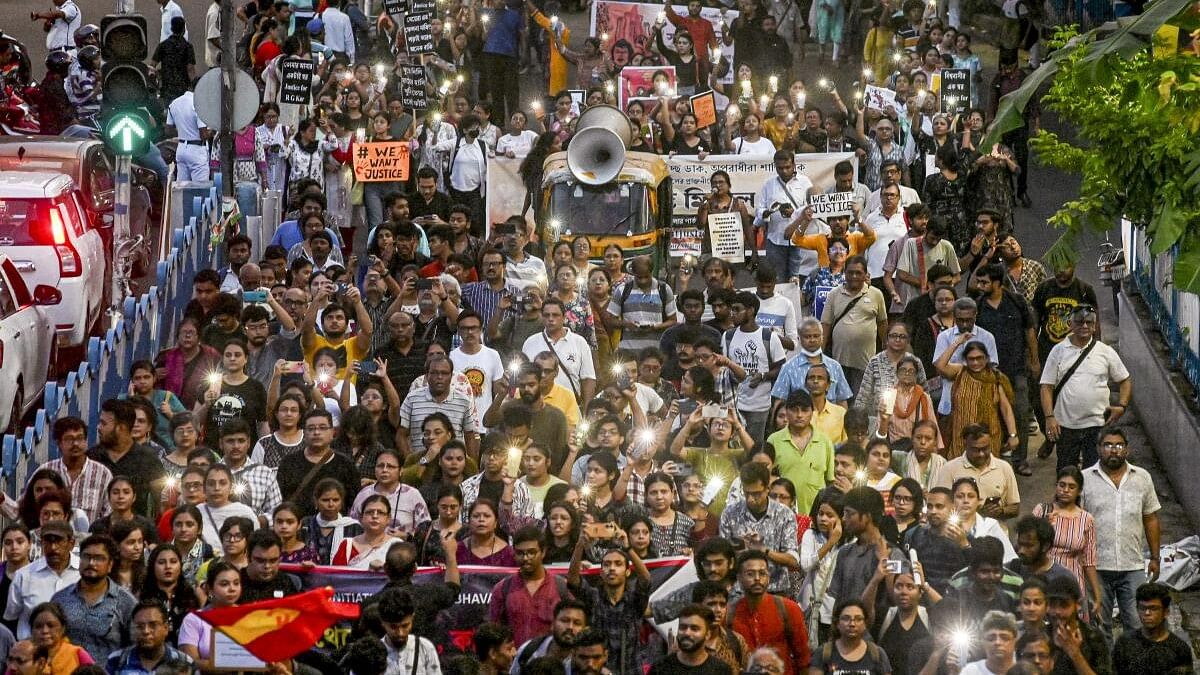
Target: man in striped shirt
484	296
437	396
643	307
86	478
523	270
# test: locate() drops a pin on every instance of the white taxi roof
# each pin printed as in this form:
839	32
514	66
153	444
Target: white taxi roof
33	184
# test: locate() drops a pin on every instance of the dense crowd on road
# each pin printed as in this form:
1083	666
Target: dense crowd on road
392	382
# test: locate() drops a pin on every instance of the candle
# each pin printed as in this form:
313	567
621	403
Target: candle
604	37
887	400
437	117
747	92
716	53
823	83
485	18
554	20
514	366
380	70
773	83
213	379
661	18
608	87
860	476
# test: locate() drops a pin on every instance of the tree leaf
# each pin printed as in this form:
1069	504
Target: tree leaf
1168	226
1187	266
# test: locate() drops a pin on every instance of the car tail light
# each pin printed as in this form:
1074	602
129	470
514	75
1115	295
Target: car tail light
68	259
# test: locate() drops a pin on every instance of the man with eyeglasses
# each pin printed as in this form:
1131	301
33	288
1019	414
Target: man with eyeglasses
782	204
1154	648
521	269
965	312
23	659
1038	650
544	424
854	321
1122	499
96	608
760	523
1075	394
890	174
984	247
85	477
525	600
766	619
889	225
150	652
484	296
482	365
261	579
437	396
300	471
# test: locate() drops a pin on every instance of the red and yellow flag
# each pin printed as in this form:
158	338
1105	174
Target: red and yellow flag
280	628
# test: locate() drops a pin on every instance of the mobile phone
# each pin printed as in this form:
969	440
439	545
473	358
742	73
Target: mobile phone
600	530
295	367
341	288
424	284
712	410
254	296
623	381
366	368
893	566
991	501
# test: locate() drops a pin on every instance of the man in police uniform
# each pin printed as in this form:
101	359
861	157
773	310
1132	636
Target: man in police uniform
191	157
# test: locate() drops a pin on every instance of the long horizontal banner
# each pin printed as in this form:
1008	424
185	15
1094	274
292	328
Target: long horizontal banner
456	626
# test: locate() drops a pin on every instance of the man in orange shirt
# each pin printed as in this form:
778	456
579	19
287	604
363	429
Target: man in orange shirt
767	620
860	240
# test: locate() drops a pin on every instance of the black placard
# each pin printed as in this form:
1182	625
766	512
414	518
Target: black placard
395	8
418	33
956	85
296	78
412	87
422	6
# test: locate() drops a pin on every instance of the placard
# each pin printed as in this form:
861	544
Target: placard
831	205
686	241
704	106
229	655
412	87
418	34
578	98
727	237
638	82
819	297
376	162
394	9
879	98
422	6
296	79
956	90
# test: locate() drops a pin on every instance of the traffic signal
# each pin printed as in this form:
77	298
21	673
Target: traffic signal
125	80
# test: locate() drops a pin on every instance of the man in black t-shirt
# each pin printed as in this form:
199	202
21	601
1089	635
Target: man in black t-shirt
1153	649
691	638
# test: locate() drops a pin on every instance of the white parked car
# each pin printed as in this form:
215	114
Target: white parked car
27	343
45	231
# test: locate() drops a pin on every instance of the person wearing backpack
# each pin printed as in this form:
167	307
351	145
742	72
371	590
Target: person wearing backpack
768	620
852	651
643	307
570	619
525	601
760	353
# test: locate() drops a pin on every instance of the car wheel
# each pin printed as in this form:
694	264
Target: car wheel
14	422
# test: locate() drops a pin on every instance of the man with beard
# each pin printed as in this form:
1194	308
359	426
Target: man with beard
691	639
97	609
264	350
484	296
289	233
713	560
334	326
400	564
691	308
718	274
857	561
967	606
1083	649
254	484
123	457
1122	499
767	620
525	599
782	202
763	524
570	620
617	604
547	424
408	246
590	655
406	653
939	542
1035	537
150	652
437	396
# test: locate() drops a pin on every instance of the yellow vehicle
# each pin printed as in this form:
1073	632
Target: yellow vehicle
598	189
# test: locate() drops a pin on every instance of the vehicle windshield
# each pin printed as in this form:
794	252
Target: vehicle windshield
24	222
600	209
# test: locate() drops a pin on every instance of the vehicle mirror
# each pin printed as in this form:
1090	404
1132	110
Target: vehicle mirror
46	295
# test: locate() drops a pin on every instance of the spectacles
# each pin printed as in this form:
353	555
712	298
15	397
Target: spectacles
900	499
233	536
1113	446
897	336
150	625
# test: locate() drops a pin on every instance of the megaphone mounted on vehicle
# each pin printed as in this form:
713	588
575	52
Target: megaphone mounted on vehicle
596	153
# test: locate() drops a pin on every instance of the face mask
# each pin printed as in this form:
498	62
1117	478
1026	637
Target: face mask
813	353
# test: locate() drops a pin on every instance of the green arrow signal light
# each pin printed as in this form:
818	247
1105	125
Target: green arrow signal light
126	134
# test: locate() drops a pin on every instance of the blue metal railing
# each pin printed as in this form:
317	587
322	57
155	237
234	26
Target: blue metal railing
145	325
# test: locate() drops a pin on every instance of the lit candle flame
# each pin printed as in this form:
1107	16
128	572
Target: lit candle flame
485	18
514	453
437	117
585	491
955	518
608	87
324	378
171	483
896	57
514	366
585	426
746	90
458	78
773	83
380	70
554	20
647	436
239	489
860	476
617	369
537	105
213	379
604	37
823	83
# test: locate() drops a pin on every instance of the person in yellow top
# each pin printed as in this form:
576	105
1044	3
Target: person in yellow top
781	126
860	240
560	33
334	328
803	454
828	418
556	395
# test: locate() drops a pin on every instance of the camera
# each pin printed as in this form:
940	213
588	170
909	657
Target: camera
424	284
363	368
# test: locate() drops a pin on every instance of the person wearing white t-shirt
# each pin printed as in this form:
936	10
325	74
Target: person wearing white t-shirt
751	142
218	507
782	204
998	632
775	311
577	371
482	366
760	354
519	140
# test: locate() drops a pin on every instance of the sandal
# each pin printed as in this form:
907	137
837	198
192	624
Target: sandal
1046	450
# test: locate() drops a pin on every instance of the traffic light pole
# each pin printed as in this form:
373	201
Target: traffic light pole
228	86
121	242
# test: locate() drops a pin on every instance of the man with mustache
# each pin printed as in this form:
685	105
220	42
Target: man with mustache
767	620
691	656
570	619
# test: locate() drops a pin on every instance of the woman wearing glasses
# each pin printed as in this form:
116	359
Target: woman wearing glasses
880	378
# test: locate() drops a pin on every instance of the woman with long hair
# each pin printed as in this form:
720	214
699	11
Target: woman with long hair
233	382
599	293
973	523
909	402
531	171
164	581
722	200
186	525
285	522
287	436
537	476
184	366
485	544
374	192
306	152
356	439
42	482
686	141
48	632
378	396
923	459
223	588
432	536
327	528
1074	534
17	543
144	431
121	498
129	569
945	190
818	555
691	71
562	532
269	139
981	395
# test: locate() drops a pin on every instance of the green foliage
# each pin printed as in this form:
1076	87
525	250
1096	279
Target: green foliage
1137	121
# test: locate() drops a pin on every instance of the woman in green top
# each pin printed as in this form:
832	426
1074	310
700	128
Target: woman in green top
535	467
716	464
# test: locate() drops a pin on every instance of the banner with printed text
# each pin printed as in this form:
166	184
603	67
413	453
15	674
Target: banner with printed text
632	24
456	626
